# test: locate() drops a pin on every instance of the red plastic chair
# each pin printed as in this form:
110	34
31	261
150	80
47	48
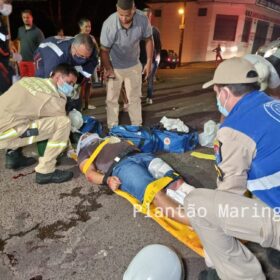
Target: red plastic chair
26	69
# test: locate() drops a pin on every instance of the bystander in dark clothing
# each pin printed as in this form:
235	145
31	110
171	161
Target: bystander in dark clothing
29	35
156	58
218	51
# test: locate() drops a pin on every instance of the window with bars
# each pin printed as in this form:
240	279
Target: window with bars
225	27
275	32
246	30
157	13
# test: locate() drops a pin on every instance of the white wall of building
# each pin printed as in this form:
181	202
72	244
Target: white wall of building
168	24
199	30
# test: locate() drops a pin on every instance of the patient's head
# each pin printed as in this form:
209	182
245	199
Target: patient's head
87	139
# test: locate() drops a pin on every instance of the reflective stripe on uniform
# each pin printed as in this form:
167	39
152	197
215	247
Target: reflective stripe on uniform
3	37
56	144
31	138
11	133
82	71
54	47
264	183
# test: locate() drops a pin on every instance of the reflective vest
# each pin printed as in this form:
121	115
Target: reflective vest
258	116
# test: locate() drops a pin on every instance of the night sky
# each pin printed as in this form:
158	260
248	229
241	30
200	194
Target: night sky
46	17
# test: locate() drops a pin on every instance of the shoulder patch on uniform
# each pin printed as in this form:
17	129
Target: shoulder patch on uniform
218	156
273	109
217	151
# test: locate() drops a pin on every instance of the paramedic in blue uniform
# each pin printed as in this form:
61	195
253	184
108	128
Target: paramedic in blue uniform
78	51
247	159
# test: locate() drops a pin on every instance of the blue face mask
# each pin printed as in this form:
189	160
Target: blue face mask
79	60
221	108
65	89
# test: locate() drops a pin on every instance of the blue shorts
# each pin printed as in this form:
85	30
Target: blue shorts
134	174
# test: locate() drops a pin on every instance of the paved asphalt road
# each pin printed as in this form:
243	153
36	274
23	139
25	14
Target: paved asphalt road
77	231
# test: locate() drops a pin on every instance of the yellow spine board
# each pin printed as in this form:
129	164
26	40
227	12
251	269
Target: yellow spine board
180	231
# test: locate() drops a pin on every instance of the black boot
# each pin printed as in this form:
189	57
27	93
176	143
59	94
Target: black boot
58	176
15	159
273	257
208	274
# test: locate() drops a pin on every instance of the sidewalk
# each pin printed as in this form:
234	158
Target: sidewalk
200	64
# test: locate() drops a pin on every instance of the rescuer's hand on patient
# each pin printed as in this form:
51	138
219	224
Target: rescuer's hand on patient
113	182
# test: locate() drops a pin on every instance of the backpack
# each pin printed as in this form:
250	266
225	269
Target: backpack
174	141
91	125
141	137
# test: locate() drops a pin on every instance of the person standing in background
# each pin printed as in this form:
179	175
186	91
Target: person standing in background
156	56
60	33
28	39
85	28
120	39
218	51
29	36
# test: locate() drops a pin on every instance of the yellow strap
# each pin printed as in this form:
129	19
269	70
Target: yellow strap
152	189
203	156
95	154
180	231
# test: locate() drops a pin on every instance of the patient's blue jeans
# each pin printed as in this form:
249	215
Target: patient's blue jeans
134	174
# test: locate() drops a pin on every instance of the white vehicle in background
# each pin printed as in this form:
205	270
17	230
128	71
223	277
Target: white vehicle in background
269	49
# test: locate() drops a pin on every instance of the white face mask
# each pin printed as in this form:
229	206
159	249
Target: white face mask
222	108
65	89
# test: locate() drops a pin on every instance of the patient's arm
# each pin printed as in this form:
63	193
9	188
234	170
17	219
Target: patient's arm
96	177
171	200
170	208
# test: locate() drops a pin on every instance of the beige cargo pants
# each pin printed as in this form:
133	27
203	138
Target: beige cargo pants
220	219
132	78
54	129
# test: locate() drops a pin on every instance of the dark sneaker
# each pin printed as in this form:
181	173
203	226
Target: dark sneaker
208	274
58	176
273	257
15	159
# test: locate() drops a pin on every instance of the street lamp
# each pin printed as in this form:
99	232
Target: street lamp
181	12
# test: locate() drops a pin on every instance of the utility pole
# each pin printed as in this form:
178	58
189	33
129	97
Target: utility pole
182	12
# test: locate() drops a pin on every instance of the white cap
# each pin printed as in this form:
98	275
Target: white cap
235	70
268	76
